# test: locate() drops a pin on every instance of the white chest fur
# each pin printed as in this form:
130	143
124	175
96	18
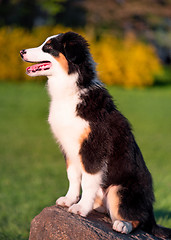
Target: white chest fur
66	126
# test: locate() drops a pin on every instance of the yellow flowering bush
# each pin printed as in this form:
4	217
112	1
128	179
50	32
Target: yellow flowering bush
127	62
12	41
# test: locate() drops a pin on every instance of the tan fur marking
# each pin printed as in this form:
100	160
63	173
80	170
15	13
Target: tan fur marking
85	134
99	205
98	202
62	60
83	137
68	162
49	41
113	202
134	224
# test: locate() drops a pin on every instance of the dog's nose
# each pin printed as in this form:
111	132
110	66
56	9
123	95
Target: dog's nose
22	52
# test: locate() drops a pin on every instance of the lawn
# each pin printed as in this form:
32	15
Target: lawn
32	169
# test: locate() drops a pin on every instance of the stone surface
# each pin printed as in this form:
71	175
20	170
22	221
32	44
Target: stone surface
57	223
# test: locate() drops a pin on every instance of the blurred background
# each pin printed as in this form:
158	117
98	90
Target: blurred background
131	42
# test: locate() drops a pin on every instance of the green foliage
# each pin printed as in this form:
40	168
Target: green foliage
164	78
32	169
28	13
126	62
52	6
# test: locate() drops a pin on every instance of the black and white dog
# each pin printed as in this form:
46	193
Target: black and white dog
101	153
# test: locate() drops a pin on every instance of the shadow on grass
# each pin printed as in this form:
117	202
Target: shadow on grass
160	83
163	79
162	214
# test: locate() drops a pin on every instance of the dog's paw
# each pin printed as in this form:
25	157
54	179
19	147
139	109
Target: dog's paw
78	209
121	226
65	201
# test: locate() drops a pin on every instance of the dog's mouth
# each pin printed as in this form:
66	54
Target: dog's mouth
41	66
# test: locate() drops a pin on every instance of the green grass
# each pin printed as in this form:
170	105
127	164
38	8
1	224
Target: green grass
164	78
32	169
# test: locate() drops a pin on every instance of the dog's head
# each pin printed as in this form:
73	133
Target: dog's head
67	52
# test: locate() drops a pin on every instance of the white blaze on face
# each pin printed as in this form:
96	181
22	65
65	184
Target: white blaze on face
56	68
45	61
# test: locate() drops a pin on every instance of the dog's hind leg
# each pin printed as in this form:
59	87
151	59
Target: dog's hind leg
113	203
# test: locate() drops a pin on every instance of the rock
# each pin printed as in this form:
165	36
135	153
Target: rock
57	223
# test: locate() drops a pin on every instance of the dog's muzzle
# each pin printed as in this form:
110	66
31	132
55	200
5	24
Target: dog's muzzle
22	52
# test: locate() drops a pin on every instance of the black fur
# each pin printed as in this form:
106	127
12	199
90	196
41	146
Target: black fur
110	146
75	48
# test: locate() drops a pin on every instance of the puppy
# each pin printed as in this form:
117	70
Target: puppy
102	156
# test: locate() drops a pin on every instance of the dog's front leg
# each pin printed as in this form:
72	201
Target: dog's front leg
90	185
72	196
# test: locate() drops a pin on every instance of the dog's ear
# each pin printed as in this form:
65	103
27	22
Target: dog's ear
75	47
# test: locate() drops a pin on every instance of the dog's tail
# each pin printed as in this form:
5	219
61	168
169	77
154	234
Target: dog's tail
161	232
158	231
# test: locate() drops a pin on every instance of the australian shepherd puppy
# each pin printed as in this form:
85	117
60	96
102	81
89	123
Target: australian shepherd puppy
102	156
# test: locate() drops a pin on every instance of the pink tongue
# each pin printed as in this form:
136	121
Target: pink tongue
40	66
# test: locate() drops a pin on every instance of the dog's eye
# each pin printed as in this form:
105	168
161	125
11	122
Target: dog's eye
48	46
